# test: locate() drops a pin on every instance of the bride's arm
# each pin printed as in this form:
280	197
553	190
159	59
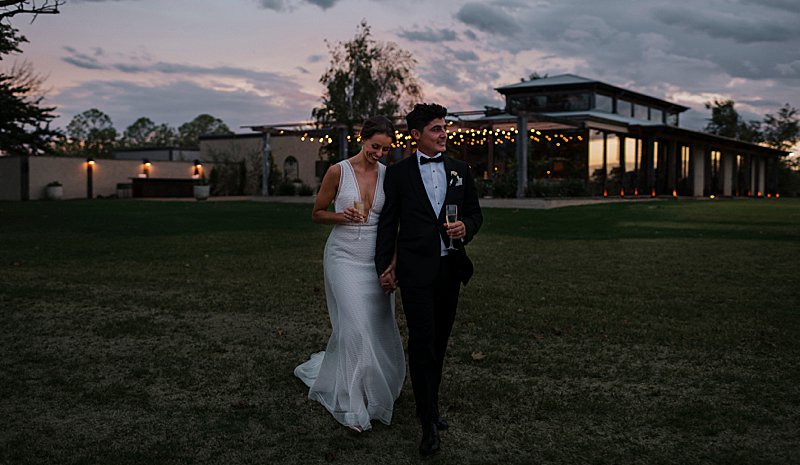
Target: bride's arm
326	195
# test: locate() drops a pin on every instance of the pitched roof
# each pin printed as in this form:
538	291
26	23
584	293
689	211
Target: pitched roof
574	82
561	79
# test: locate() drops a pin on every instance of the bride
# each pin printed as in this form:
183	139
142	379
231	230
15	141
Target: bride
359	375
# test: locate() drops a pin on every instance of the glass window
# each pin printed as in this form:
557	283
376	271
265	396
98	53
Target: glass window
715	162
290	169
563	101
640	112
612	153
656	115
685	152
596	169
631	154
655	155
672	119
623	107
603	103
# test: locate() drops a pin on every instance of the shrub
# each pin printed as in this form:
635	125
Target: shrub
305	190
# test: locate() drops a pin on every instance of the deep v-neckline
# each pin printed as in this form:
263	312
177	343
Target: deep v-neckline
358	186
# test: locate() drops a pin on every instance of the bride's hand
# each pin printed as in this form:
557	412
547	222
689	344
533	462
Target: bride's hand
351	215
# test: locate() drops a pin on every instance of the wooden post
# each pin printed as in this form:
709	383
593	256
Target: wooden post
522	156
266	151
647	180
89	180
673	163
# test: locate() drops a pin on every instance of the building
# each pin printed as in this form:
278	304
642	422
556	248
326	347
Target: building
618	142
293	160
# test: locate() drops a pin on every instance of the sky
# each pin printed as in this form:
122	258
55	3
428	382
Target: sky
255	62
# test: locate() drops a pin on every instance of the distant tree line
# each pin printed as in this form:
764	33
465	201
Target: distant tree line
92	133
780	131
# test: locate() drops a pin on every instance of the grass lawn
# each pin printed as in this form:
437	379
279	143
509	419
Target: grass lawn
650	333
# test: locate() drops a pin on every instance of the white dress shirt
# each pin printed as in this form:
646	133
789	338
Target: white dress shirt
434	179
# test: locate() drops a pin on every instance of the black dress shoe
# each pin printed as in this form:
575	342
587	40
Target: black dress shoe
441	423
430	440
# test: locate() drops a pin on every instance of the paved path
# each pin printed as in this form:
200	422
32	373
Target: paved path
536	204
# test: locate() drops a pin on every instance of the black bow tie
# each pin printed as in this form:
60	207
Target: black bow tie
423	160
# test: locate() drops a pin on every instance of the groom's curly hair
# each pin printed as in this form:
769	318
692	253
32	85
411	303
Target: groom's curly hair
424	113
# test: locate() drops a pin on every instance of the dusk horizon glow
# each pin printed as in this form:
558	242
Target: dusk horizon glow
254	62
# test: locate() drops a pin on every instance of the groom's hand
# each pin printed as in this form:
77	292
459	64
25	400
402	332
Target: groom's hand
456	230
388	281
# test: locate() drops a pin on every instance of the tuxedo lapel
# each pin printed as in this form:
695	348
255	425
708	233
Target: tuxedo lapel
419	187
449	167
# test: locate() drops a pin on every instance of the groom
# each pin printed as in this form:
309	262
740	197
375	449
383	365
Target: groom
412	225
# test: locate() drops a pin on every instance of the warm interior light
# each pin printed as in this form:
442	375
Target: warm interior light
635	191
674	193
605	193
712	196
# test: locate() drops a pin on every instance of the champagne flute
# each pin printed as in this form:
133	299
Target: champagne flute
361	208
451	216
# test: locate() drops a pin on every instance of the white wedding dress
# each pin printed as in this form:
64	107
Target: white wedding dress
359	375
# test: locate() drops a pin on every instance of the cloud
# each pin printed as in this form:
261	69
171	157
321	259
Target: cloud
741	28
429	35
83	60
487	18
181	91
464	55
289	5
787	5
175	103
324	4
145	66
789	69
275	5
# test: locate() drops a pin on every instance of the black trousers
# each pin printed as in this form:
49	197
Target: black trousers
430	312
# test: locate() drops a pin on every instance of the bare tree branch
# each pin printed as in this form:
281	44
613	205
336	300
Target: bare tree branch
9	8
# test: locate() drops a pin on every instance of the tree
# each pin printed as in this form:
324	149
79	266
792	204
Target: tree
91	134
533	76
189	133
366	78
725	121
9	8
782	131
24	122
145	133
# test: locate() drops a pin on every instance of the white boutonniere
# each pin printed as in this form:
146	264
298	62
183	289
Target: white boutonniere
455	179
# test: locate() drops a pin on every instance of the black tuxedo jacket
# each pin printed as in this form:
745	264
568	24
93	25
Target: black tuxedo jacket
409	222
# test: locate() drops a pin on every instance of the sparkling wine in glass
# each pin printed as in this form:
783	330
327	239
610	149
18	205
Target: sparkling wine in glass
451	216
361	208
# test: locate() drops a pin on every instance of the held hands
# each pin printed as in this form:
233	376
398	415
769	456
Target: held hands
388	280
456	230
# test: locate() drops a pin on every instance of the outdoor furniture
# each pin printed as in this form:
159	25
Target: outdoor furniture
162	187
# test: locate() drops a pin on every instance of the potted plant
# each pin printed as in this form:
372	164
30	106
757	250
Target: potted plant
201	189
297	183
54	191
